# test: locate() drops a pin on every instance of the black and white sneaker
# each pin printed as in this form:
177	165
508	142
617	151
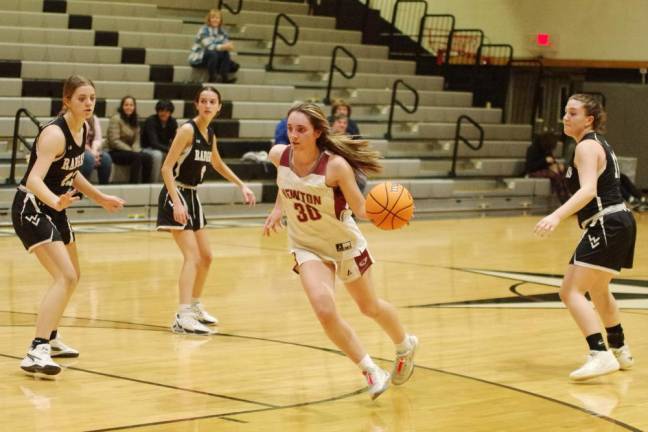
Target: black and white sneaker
38	361
187	324
60	349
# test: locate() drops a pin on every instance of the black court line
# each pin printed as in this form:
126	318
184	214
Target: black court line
140	381
220	416
269	407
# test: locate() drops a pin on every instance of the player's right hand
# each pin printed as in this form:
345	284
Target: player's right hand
272	222
180	214
66	200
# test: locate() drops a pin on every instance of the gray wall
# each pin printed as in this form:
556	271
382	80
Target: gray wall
627	107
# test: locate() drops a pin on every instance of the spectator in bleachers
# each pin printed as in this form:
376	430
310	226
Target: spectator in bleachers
211	49
340	124
157	134
94	156
124	142
541	162
281	132
341	107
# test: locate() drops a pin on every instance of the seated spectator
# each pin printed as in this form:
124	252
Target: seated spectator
340	124
341	107
281	132
124	142
157	134
94	157
541	162
211	49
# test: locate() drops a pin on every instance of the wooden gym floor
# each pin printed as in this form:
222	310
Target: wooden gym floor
481	294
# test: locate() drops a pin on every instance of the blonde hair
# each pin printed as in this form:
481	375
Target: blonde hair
211	13
593	107
358	153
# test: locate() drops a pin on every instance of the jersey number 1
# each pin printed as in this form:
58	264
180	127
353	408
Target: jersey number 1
306	212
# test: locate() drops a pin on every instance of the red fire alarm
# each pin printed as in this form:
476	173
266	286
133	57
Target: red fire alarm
543	40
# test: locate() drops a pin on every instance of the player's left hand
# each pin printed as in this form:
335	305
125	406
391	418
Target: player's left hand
546	225
111	203
248	195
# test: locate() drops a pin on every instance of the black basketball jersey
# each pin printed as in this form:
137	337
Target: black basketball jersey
608	185
192	164
62	171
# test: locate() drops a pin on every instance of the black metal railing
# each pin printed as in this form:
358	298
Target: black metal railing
395	102
394	17
493	76
276	34
495	55
435	38
464	46
221	4
335	67
11	180
460	138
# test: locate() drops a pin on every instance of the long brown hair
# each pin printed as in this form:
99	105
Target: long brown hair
358	153
593	107
70	85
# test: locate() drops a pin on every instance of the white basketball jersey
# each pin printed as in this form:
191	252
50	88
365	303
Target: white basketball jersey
318	216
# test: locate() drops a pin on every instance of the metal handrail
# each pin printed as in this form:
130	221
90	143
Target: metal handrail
394	14
459	30
419	41
480	60
334	67
236	11
458	137
395	101
11	180
276	34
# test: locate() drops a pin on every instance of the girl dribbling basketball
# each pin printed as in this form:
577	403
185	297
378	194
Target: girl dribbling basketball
316	179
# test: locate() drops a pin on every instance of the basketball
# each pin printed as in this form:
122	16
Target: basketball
389	205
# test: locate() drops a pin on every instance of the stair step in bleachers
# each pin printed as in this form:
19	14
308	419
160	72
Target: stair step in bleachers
140	48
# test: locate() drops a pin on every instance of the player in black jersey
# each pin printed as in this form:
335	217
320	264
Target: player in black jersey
607	244
180	211
49	186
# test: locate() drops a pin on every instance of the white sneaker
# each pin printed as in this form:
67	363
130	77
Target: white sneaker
202	315
59	349
378	381
38	361
624	357
404	363
598	363
188	324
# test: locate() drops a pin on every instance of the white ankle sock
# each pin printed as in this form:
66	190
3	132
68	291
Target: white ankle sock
195	301
366	363
184	309
404	345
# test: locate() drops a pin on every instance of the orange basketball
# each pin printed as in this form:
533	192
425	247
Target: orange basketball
389	205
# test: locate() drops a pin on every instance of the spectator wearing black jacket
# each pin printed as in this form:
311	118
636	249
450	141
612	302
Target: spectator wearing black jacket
541	162
158	133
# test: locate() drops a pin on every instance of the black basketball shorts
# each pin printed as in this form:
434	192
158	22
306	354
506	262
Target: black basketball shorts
36	223
189	197
608	244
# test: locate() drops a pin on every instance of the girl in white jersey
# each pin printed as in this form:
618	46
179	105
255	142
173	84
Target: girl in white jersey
317	184
180	211
607	244
50	186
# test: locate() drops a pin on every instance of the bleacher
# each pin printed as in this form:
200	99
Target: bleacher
141	49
